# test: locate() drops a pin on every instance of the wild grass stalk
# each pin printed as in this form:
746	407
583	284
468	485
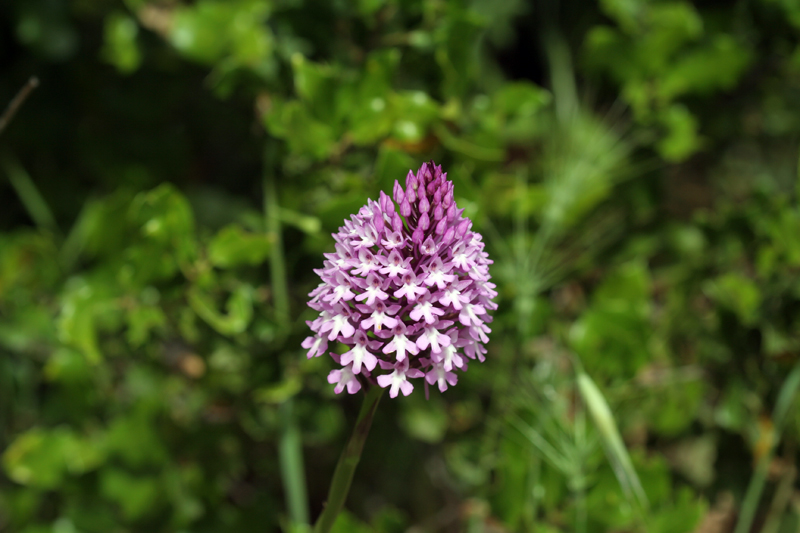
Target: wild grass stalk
756	487
291	445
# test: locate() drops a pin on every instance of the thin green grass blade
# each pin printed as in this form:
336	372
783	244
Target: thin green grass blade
756	487
616	451
29	195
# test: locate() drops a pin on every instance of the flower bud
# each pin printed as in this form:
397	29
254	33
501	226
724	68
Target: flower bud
441	226
424	205
399	193
424	222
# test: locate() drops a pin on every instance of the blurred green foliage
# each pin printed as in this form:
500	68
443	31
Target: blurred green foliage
168	190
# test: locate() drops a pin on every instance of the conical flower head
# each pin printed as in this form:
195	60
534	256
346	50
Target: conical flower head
407	290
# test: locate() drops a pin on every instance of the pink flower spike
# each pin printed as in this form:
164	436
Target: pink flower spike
401	265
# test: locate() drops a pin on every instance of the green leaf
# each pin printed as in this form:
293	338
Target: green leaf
347	523
415	111
120	47
681	139
232	246
42	458
210	31
280	392
68	366
137	496
612	335
737	293
239	309
305	135
76	323
317	86
427	422
143	320
164	217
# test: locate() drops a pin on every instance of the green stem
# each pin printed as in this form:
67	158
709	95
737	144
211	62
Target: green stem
346	467
291	463
277	262
756	487
291	444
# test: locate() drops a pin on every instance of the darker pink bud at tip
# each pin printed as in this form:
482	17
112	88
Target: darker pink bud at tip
411	180
398	192
432	186
441	226
426	174
424	205
405	207
424	222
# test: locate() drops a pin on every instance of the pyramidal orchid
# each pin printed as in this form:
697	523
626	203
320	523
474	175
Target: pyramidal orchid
407	290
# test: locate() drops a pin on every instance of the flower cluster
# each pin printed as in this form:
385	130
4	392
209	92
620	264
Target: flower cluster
407	290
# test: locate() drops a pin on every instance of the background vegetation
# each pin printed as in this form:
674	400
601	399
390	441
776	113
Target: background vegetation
167	190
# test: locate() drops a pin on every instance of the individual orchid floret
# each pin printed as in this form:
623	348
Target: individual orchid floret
374	289
410	288
432	336
398	379
380	316
426	309
437	274
315	345
339	322
407	290
438	375
361	354
396	265
344	378
400	344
